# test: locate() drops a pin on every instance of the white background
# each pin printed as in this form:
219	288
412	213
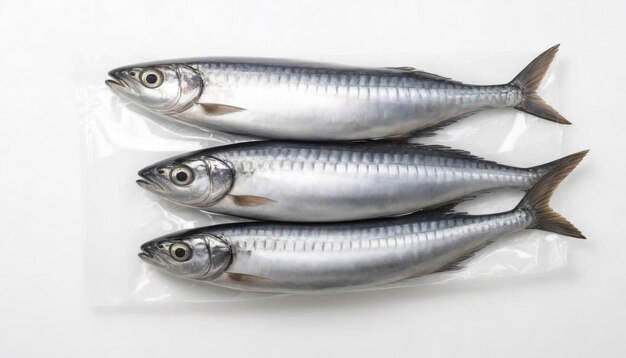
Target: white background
578	311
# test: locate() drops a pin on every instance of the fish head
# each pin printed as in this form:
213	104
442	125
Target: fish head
188	254
195	179
162	88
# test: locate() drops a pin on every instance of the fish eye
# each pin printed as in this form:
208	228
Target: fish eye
151	78
180	252
182	175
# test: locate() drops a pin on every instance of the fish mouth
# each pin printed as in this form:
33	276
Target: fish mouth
116	83
149	184
147	256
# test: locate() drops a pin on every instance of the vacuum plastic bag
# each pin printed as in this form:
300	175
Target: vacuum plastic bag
121	138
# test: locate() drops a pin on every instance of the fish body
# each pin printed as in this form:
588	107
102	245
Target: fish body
287	99
310	101
315	182
297	258
286	258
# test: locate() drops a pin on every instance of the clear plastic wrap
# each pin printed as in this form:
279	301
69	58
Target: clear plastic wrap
120	139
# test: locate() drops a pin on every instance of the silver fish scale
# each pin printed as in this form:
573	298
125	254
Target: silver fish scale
292	258
396	98
352	83
334	182
334	233
311	75
368	163
377	155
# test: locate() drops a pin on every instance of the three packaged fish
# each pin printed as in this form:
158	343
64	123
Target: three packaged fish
346	197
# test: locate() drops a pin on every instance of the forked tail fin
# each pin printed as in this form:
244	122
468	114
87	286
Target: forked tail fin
547	168
537	199
528	81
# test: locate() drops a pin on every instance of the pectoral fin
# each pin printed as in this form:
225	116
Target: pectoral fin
242	277
217	109
250	200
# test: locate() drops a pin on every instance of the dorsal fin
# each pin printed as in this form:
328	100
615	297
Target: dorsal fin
438	149
458	263
450	152
423	74
427	131
405	69
439	211
448	208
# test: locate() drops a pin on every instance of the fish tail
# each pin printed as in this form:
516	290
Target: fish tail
528	81
537	199
546	168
